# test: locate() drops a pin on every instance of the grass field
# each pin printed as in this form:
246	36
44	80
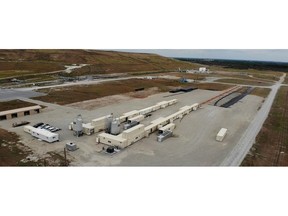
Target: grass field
10	154
270	148
261	92
212	86
14	153
74	94
19	69
245	82
261	74
14	104
286	79
67	95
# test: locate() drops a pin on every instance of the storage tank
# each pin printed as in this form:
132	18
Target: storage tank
108	122
77	126
115	127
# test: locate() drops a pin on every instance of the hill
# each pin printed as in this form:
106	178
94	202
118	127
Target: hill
27	62
241	64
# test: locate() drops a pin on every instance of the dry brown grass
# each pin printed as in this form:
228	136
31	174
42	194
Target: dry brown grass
17	63
14	104
213	86
286	79
12	153
272	141
74	94
68	95
245	82
261	92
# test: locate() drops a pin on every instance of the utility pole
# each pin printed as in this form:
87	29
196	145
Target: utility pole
65	157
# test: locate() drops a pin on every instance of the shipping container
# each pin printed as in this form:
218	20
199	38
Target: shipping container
221	134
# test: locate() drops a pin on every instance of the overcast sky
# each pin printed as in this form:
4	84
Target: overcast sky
240	54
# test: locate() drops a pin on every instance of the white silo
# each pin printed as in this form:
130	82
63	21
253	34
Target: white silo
109	122
115	127
77	126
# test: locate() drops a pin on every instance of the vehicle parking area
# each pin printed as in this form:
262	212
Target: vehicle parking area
193	141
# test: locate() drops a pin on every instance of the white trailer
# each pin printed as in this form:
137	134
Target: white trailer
221	134
146	110
171	102
42	134
169	127
163	104
136	118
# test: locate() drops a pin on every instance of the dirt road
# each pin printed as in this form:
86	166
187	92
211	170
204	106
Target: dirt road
236	156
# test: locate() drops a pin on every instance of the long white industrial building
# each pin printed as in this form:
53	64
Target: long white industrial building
103	123
132	135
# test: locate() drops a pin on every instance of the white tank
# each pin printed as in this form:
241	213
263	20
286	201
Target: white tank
77	126
115	127
108	122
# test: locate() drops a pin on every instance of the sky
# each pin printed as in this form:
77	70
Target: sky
280	55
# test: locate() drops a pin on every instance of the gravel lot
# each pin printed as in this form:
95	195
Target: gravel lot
194	142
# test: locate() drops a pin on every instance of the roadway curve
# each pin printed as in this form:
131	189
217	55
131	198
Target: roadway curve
237	155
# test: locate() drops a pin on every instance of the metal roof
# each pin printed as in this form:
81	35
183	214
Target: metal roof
133	112
7	112
222	132
44	132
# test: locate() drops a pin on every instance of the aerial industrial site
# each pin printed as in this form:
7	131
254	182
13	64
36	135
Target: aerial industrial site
108	108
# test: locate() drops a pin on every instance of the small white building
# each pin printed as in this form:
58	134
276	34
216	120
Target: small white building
203	69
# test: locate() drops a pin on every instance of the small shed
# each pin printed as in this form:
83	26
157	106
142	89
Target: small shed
71	146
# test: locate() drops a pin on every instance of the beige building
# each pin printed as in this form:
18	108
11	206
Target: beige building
15	113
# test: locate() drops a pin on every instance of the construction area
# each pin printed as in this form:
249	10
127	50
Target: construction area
163	129
127	109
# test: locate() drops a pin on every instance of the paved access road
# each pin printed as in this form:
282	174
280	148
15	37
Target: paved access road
237	155
11	94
